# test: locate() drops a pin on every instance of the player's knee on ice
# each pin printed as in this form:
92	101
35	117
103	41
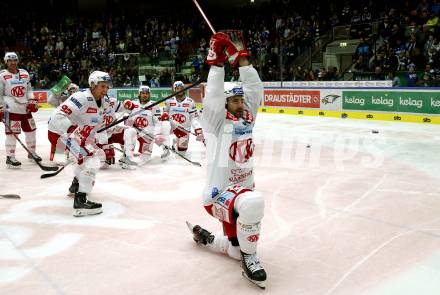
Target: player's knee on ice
250	207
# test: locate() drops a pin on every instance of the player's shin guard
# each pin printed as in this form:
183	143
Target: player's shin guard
10	144
31	143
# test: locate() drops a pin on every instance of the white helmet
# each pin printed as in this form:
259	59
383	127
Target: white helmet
144	88
10	55
178	84
233	89
98	76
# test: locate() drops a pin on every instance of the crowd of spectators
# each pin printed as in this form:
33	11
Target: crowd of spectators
277	32
407	41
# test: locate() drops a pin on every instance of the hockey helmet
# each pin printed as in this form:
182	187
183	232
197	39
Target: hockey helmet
99	76
10	56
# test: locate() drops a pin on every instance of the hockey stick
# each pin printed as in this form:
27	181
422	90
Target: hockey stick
43	167
47	175
204	16
177	126
143	133
182	156
10	196
150	106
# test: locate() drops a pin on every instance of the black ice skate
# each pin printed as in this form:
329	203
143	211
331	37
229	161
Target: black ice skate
83	207
252	270
73	189
11	162
34	158
200	235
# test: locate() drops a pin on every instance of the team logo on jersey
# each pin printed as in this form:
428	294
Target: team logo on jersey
92	111
18	91
241	151
179	118
141	122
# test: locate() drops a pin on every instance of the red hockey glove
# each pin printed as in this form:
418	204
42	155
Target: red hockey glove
199	134
217	46
129	105
164	117
180	132
235	47
32	106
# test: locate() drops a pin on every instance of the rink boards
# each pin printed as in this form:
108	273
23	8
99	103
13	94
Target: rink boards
416	105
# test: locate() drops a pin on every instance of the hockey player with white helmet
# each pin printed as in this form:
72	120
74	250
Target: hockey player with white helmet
17	103
150	128
123	135
182	113
86	110
228	121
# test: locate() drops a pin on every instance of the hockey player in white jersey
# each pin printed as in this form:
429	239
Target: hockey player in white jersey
228	121
150	129
56	100
123	135
18	103
84	109
182	113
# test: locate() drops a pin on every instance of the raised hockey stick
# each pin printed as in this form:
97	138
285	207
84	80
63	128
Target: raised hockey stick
10	196
43	167
204	16
149	106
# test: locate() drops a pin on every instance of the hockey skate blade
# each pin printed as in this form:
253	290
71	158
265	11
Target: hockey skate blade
190	226
10	196
86	212
9	166
259	284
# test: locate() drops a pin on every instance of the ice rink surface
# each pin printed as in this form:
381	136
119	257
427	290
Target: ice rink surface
356	212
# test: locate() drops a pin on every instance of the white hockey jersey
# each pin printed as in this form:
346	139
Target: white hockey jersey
183	112
111	107
229	140
145	119
79	109
15	91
